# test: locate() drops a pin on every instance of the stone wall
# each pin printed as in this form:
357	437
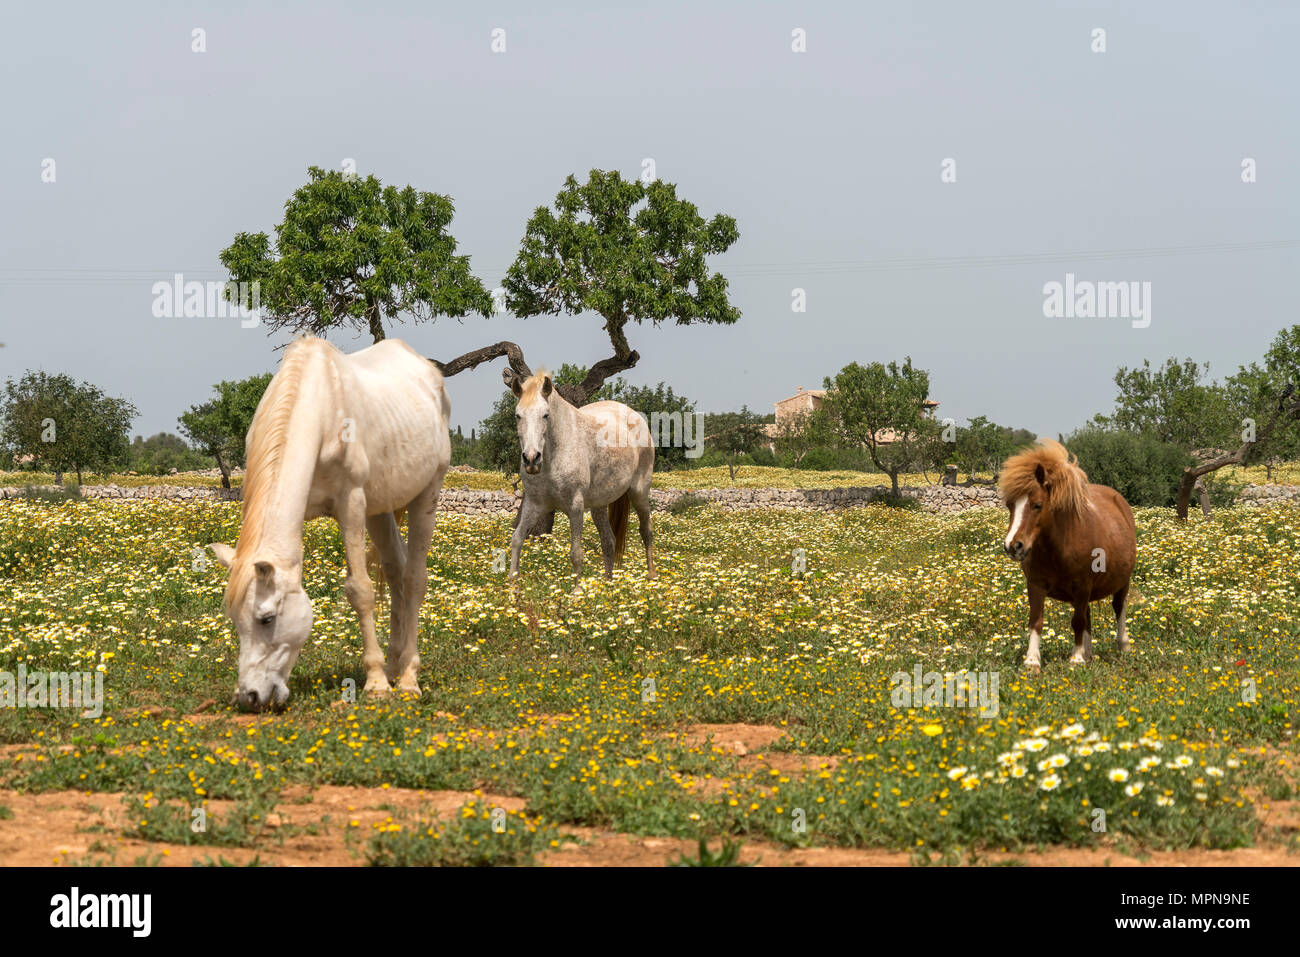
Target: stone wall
1268	494
943	499
934	498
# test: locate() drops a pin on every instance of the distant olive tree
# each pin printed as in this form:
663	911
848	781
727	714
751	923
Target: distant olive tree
65	426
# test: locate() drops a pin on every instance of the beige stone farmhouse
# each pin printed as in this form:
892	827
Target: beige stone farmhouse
806	401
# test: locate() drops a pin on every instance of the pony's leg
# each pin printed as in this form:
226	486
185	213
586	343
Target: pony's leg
361	594
404	646
575	536
1082	625
600	516
529	512
1119	603
642	506
1037	598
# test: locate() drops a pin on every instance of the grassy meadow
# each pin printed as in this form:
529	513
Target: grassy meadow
580	703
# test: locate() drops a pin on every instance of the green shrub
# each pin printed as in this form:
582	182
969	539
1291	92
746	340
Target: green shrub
1143	469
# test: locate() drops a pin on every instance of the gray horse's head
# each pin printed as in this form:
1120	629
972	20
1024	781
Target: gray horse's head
532	417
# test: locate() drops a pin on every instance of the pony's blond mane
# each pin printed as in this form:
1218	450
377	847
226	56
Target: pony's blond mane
265	445
1069	492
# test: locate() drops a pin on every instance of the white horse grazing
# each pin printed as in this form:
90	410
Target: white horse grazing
598	457
355	437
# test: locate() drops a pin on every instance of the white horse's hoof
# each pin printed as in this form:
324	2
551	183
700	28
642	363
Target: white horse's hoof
377	686
1033	667
1077	661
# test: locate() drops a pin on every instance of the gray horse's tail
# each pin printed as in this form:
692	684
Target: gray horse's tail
618	512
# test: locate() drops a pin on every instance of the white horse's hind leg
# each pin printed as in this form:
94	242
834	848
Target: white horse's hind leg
403	645
392	553
361	594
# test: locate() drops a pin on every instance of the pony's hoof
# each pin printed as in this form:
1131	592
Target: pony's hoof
378	687
1033	667
1077	661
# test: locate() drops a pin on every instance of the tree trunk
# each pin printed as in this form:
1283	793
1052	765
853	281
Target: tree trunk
1203	494
376	322
893	478
225	471
77	466
58	478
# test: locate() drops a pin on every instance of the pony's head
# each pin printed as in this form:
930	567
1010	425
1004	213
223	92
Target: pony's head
273	616
1037	485
532	417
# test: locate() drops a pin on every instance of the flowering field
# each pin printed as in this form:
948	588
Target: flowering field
564	711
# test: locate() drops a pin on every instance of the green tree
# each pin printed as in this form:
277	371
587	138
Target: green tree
1138	465
1255	390
1174	403
160	453
351	252
981	447
219	426
629	251
879	407
1267	400
735	434
657	405
65	425
801	433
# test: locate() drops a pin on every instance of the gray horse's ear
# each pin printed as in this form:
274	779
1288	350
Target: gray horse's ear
547	387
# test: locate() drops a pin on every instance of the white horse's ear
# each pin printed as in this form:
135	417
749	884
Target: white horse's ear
512	380
265	571
225	554
547	386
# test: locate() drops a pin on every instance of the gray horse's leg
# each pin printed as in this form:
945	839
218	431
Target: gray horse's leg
575	536
600	516
642	506
528	514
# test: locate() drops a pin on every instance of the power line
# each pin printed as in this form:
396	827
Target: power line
114	275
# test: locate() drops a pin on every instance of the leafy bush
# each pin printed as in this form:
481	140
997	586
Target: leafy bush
1143	469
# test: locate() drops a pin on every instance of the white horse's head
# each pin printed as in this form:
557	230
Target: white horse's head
273	615
532	417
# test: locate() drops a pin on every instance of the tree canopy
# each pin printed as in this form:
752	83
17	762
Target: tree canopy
219	426
65	425
880	407
351	252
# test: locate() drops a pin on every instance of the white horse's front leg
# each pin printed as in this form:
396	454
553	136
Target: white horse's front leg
361	594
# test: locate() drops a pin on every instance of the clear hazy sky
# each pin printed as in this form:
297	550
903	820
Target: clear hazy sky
829	160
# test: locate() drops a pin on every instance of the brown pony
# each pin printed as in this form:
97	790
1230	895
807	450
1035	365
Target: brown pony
1076	542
